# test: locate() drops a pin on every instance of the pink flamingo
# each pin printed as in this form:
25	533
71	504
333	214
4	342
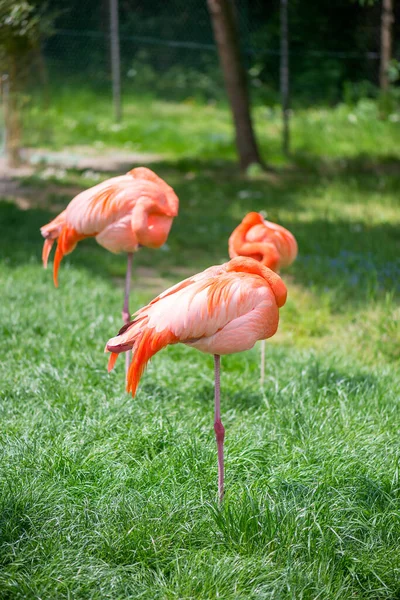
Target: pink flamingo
271	244
223	310
122	213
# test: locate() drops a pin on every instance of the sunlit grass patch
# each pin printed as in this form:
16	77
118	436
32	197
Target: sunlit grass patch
77	115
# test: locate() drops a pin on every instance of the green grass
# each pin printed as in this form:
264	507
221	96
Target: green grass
105	496
191	129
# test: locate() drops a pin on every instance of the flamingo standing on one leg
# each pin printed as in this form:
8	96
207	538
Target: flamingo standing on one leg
224	309
122	213
271	244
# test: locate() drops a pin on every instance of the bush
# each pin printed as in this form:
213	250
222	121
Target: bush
353	91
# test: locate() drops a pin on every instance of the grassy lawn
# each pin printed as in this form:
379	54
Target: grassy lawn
105	496
190	129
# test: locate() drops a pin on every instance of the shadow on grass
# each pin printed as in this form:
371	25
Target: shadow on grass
335	253
16	518
315	377
362	163
304	163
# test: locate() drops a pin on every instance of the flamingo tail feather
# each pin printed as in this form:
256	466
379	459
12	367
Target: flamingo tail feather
111	361
66	243
144	342
47	246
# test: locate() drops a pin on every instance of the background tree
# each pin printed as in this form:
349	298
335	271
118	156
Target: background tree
386	44
227	40
23	25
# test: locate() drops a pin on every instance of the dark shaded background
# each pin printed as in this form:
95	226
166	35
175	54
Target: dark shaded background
167	47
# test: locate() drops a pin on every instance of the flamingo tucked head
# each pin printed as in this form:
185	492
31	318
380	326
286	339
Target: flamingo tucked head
121	213
149	175
271	244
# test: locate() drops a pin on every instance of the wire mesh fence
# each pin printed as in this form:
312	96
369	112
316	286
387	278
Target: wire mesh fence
3	103
175	54
167	51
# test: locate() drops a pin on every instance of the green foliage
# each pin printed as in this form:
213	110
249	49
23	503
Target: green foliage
354	91
330	43
202	81
22	25
394	70
389	102
18	23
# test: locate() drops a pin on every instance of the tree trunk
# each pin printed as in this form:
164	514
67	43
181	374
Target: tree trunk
227	40
284	73
12	117
386	43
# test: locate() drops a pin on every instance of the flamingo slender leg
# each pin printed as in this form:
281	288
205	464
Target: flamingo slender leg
219	428
126	316
262	366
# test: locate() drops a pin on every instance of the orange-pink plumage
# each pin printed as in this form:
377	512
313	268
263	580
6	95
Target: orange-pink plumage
222	310
271	244
121	213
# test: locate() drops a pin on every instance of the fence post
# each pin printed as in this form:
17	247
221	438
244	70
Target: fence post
4	108
115	59
387	19
284	76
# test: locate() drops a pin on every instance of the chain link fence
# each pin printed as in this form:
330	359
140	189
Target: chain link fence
171	51
167	51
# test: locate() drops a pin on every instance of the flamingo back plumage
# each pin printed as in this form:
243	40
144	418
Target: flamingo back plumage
122	213
47	246
223	310
268	242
